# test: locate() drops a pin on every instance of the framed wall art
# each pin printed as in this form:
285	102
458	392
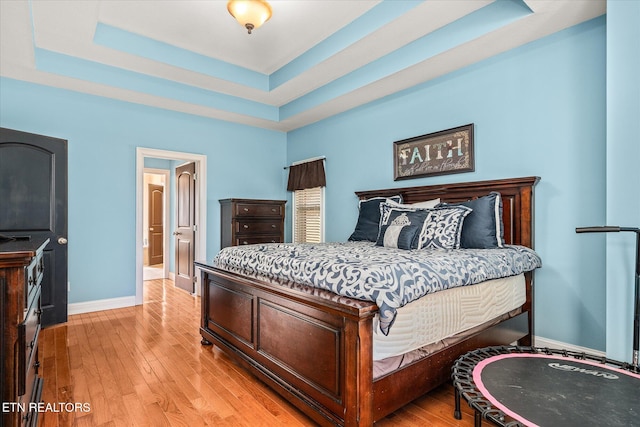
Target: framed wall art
439	153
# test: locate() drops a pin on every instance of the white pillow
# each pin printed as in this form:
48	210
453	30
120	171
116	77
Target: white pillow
429	204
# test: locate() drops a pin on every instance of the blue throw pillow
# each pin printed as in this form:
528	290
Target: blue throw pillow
399	227
483	228
368	224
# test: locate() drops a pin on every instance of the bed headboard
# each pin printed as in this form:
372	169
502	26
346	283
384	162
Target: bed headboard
517	201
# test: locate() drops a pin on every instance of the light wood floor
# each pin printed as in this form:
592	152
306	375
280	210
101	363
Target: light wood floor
144	366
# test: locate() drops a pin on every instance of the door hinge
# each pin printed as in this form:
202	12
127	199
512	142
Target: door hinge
195	176
195	227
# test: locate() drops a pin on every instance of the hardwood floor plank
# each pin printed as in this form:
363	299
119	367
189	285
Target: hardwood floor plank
214	403
145	366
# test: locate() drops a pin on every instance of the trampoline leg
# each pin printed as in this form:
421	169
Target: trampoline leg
477	419
456	413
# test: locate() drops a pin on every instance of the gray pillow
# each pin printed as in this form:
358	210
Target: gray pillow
482	228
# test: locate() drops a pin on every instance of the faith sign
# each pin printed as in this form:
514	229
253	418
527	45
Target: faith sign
438	153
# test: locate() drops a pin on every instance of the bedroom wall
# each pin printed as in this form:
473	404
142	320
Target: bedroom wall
537	110
103	135
623	174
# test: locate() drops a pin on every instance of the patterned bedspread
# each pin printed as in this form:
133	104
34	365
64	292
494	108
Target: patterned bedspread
389	277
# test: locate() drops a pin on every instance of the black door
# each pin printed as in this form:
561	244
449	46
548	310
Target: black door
33	204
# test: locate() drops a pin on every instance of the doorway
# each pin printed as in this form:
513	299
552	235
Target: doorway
200	211
156	224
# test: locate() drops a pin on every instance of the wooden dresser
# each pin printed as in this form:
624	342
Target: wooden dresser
249	221
21	271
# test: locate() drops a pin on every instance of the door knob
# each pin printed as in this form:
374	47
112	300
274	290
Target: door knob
176	233
62	241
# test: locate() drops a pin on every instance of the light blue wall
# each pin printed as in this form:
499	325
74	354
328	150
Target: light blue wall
103	135
537	110
623	170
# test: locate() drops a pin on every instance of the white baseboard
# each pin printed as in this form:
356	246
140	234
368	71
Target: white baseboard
99	305
546	342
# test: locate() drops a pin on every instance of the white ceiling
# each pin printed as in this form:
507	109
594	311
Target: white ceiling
311	60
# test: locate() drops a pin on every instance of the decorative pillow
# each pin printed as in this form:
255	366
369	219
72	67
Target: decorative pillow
429	204
483	228
399	227
443	228
368	224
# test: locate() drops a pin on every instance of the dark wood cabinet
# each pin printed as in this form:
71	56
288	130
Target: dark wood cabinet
21	272
249	221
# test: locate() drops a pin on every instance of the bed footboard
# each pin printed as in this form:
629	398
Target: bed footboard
313	351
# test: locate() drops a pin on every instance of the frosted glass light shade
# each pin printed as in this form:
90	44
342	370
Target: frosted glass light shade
251	14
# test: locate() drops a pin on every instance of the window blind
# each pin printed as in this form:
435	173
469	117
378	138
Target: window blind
308	215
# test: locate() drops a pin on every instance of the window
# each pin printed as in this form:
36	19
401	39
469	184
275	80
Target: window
307	181
308	215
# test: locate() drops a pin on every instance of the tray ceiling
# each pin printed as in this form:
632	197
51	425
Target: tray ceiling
311	60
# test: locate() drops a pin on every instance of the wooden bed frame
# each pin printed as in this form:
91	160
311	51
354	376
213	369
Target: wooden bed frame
315	347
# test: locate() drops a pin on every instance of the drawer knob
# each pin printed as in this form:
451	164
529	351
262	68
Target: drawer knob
62	241
273	226
245	226
246	209
273	209
245	243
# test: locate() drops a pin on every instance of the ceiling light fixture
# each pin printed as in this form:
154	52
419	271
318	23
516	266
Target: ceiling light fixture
251	14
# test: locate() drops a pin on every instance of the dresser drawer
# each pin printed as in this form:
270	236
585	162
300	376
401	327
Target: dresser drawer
28	332
33	394
258	209
252	240
34	275
258	227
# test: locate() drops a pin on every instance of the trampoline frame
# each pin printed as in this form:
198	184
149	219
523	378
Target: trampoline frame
464	386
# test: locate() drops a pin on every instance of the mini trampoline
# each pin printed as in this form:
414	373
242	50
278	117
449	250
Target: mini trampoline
529	386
